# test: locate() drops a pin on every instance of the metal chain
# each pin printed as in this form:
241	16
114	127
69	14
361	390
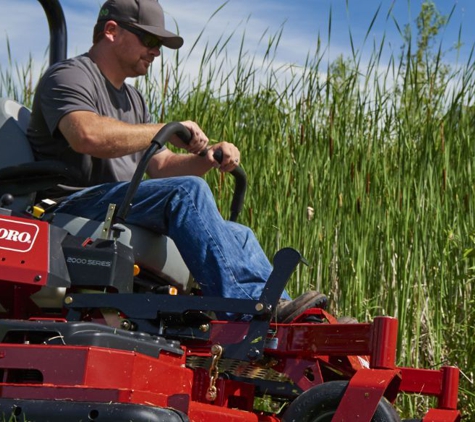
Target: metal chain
216	352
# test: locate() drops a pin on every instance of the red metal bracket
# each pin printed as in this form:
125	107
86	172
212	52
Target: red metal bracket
365	390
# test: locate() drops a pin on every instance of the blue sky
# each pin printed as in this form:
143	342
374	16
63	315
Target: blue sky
304	21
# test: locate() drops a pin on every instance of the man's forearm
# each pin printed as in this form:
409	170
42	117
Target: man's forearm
104	137
169	164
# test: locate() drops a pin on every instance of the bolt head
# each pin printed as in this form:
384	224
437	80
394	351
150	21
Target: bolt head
259	307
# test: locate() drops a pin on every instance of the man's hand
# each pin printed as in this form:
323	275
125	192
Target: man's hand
230	153
198	141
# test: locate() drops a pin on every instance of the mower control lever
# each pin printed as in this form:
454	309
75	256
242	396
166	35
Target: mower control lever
158	141
240	187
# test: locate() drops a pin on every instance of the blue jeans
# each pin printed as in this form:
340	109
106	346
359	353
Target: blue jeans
224	257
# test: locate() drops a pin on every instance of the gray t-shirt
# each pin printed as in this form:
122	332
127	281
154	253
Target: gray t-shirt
78	84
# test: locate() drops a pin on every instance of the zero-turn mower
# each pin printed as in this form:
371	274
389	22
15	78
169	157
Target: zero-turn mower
86	336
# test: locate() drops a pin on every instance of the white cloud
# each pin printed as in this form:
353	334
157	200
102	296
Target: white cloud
24	22
191	16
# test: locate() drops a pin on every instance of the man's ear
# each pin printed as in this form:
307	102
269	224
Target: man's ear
110	30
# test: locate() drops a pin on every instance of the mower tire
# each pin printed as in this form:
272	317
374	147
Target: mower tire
66	410
319	404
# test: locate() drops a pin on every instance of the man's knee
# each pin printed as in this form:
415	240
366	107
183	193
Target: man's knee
195	182
196	187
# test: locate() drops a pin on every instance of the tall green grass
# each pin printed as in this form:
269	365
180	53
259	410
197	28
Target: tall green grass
366	167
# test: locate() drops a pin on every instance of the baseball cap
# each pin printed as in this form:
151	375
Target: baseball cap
144	14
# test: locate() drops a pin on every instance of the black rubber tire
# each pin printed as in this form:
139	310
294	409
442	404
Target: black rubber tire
319	404
347	320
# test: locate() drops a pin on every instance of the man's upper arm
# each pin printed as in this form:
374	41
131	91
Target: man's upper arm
65	90
73	125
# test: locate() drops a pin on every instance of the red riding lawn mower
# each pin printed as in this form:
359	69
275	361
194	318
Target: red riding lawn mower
86	336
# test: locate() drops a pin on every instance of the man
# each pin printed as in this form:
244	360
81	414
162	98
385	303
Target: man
85	115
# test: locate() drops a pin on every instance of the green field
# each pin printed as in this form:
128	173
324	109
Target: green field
368	170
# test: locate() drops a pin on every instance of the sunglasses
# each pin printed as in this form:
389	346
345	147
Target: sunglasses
148	40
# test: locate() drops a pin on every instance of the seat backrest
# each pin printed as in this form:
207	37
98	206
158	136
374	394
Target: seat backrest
154	252
14	146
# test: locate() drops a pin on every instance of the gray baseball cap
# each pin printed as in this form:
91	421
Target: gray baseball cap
144	14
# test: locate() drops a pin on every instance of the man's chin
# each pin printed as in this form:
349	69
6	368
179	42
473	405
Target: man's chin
139	72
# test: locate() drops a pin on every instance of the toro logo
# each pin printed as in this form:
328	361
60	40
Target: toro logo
17	236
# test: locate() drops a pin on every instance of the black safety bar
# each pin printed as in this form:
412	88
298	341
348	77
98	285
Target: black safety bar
58	43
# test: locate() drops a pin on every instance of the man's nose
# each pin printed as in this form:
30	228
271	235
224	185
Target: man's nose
155	51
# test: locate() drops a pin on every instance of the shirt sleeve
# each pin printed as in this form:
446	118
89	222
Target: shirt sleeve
67	89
